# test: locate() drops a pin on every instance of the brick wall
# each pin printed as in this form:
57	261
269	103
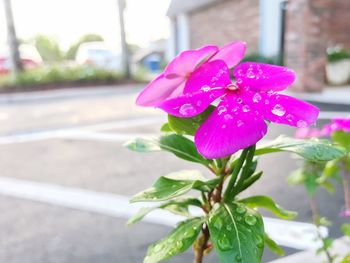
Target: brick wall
226	21
312	26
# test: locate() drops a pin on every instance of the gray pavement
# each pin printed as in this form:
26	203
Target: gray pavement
38	232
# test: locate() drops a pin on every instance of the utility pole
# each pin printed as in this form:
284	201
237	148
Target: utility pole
15	60
124	45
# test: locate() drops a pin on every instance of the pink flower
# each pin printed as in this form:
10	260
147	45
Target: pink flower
344	213
307	133
239	119
337	124
172	81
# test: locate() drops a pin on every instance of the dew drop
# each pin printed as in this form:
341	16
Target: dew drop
222	109
218	223
223	126
289	117
239	81
250	74
239	100
241	209
240	123
229	228
238	258
205	88
245	108
259	242
279	110
199	103
250	220
224	243
187	109
257	97
267	102
301	124
228	117
239	218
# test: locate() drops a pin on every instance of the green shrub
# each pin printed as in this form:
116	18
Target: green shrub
59	74
337	53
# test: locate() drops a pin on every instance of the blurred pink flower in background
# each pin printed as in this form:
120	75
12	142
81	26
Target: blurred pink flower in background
336	124
307	133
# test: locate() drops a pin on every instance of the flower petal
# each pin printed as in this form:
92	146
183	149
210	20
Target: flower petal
231	53
263	77
186	62
288	110
228	129
158	90
191	104
209	75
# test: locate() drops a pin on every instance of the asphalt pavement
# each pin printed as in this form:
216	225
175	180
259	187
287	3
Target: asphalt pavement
73	139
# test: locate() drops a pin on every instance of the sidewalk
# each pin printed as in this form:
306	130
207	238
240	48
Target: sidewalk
334	95
341	247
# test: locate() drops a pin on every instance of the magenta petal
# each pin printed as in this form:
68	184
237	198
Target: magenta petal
186	62
158	90
191	104
288	110
263	77
231	53
209	75
229	128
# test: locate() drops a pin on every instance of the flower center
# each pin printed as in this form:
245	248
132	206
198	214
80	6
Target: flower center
232	87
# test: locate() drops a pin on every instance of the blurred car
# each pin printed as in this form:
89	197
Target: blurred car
29	55
99	55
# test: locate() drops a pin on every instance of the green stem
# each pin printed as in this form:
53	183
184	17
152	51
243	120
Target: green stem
245	172
235	173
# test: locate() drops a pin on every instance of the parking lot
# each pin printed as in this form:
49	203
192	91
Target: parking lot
65	177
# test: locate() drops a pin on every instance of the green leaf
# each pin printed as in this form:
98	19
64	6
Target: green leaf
345	228
174	185
182	148
312	150
251	180
237	233
143	145
189	126
176	144
345	259
342	138
166	128
273	246
267	203
178	241
178	206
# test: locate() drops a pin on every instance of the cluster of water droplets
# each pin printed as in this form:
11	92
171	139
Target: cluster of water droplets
218	75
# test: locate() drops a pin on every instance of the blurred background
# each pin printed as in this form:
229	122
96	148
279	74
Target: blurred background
70	71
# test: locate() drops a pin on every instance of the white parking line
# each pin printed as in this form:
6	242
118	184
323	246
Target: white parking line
292	234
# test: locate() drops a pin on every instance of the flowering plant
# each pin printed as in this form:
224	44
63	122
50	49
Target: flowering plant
314	175
216	120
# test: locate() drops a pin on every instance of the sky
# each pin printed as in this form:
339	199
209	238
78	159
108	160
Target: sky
67	20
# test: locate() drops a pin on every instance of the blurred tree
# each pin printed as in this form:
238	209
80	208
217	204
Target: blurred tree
84	39
124	45
12	39
48	48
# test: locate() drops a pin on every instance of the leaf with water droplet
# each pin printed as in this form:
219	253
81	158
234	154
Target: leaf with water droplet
178	241
238	239
188	126
313	150
266	202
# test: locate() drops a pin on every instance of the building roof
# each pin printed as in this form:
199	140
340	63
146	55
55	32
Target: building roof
183	6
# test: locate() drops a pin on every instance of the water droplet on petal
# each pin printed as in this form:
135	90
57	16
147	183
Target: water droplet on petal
250	74
222	109
267	102
199	103
245	108
257	97
223	126
289	117
228	117
224	243
239	81
301	124
239	100
187	109
205	88
279	110
250	220
240	123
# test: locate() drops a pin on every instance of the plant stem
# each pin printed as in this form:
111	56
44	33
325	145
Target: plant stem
346	189
198	253
235	173
315	219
